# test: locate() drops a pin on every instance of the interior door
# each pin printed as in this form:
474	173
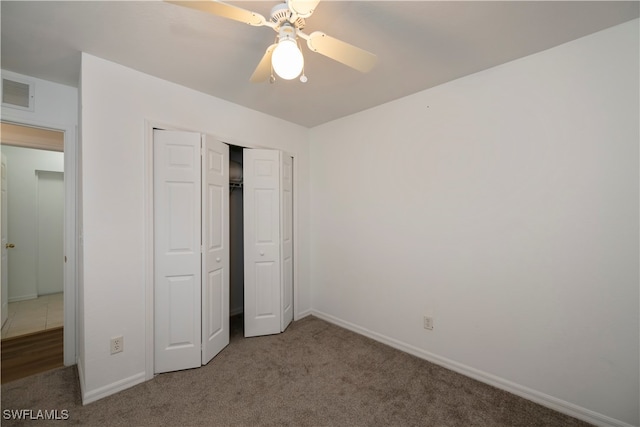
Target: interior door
215	242
265	276
4	296
177	250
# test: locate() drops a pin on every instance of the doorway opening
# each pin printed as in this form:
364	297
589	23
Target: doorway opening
236	244
33	217
205	202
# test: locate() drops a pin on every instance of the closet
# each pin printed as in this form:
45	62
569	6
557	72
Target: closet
223	228
236	236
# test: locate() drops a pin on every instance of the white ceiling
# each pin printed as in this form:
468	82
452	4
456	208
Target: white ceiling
419	44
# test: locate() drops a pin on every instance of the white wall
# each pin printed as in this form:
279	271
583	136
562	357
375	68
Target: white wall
117	105
50	232
22	164
505	205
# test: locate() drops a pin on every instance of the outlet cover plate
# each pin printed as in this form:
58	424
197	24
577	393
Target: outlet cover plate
117	345
428	322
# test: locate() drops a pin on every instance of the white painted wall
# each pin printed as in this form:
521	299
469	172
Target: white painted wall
504	204
50	233
116	103
22	164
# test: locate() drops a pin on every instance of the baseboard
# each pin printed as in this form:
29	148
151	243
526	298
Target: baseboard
23	298
503	384
303	314
108	390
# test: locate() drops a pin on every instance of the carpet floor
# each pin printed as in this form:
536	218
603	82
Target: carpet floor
314	374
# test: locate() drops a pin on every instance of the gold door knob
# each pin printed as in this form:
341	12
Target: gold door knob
9	245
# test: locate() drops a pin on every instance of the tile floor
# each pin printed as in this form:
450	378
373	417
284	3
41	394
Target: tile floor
34	315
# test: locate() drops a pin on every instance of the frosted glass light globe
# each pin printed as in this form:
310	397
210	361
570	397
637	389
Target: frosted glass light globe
287	60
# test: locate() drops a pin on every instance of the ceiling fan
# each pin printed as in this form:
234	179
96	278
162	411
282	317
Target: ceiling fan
284	56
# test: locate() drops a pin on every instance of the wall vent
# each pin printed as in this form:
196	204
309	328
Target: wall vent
17	94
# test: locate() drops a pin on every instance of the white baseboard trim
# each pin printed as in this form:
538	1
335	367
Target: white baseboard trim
517	389
303	314
108	390
23	298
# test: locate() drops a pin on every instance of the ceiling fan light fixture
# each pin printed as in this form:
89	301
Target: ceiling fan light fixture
287	60
284	57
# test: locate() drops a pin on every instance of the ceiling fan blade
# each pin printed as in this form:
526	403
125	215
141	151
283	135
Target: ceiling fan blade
340	51
304	8
263	70
224	10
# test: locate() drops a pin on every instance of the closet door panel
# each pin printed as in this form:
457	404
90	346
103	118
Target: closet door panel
262	300
177	275
286	245
215	248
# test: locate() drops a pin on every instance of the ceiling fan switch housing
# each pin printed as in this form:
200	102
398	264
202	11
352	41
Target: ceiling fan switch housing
287	32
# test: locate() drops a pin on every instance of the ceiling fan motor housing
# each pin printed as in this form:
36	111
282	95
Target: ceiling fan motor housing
281	14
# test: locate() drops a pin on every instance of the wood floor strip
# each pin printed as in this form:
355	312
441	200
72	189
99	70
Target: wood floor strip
30	354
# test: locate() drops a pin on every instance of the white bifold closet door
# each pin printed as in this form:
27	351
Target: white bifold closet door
191	246
191	249
268	241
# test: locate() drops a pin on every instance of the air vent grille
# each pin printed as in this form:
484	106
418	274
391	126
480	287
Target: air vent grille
17	94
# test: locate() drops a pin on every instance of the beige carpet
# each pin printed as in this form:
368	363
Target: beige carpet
314	374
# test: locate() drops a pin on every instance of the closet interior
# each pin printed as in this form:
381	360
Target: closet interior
236	236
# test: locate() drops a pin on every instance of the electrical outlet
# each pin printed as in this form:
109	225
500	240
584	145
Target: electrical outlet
428	323
117	345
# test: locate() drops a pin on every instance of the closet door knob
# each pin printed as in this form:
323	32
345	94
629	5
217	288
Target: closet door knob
261	253
218	259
